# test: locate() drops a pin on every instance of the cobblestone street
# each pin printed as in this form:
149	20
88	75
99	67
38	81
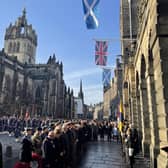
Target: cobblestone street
101	154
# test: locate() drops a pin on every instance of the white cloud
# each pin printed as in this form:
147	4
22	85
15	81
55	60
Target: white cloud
92	87
81	73
93	93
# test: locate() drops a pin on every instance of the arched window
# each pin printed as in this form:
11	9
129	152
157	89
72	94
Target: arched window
143	67
125	85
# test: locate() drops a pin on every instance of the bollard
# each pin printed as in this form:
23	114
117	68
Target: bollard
1	159
9	151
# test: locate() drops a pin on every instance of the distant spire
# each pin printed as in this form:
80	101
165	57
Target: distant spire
80	94
49	60
80	86
24	12
68	90
72	92
53	59
22	20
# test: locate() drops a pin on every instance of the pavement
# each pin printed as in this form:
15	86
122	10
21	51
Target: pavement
103	154
100	154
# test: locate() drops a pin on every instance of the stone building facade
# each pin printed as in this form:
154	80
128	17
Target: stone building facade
38	89
145	85
111	94
98	111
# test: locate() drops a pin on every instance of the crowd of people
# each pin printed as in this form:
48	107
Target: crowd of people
60	143
131	142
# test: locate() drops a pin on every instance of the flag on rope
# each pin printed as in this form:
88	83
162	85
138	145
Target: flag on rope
106	77
90	10
27	115
101	52
121	115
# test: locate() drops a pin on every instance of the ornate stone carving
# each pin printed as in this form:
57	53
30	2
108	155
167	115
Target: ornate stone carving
141	10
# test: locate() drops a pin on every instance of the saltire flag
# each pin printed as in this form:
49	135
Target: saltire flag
90	11
106	77
121	115
101	52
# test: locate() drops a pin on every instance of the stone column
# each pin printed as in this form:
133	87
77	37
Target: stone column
154	146
139	117
134	112
161	71
145	119
133	98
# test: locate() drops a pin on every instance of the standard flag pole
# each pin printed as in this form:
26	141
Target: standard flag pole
109	67
116	39
106	67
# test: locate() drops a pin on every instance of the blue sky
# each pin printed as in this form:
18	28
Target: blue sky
61	30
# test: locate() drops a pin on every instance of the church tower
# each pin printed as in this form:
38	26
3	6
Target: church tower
21	40
80	94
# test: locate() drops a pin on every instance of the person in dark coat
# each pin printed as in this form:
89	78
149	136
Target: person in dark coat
27	148
109	131
44	132
59	150
102	131
49	151
65	146
131	146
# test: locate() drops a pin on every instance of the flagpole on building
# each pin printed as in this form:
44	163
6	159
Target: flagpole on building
106	67
130	19
116	39
109	67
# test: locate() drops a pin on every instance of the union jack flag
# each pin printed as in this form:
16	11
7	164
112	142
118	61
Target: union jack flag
101	52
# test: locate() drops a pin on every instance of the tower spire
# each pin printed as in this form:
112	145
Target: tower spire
24	12
80	94
80	86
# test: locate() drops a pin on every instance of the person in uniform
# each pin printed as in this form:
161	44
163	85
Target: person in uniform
27	147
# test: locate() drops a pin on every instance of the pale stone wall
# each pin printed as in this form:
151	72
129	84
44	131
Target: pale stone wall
106	99
98	111
151	87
